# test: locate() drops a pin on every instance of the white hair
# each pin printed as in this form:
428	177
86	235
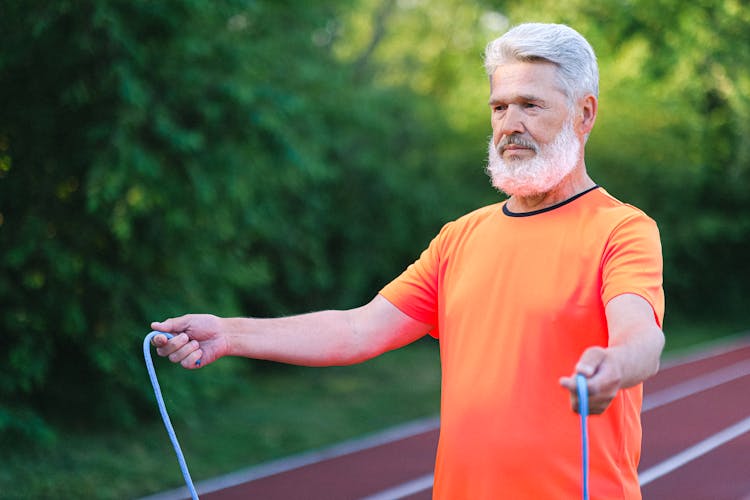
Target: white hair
555	43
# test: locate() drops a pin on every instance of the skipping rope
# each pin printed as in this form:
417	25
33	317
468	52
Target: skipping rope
583	410
163	411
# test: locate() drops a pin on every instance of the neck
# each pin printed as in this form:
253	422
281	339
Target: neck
577	182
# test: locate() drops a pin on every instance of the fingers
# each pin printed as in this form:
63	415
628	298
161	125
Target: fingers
193	360
159	340
165	347
599	399
601	383
179	349
569	383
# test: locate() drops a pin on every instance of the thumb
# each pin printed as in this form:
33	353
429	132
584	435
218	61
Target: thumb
589	362
171	325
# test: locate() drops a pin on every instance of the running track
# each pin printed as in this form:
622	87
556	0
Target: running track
696	445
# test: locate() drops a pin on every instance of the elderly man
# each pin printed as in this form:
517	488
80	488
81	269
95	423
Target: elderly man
560	279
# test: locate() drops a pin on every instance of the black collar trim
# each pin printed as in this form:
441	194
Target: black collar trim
535	212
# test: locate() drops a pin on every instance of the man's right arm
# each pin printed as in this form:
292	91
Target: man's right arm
323	338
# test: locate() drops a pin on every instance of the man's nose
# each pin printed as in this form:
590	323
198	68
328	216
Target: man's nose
512	121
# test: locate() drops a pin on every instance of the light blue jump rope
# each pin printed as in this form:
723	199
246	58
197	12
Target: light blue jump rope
583	410
163	411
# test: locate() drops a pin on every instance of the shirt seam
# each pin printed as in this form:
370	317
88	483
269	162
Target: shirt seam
507	211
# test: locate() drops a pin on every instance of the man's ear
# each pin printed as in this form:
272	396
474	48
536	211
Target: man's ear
588	106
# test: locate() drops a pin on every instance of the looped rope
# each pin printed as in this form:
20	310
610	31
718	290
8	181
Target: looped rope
163	411
583	410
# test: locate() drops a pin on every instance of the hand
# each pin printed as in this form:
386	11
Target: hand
603	377
198	340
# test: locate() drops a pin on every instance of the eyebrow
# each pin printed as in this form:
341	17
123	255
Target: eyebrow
518	98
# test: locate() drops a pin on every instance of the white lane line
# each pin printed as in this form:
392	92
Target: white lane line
695	451
287	464
404	489
703	351
651	401
651	474
696	385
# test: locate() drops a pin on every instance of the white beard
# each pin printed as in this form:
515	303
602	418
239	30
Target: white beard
540	174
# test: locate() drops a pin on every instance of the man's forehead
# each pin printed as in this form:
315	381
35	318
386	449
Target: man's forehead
524	79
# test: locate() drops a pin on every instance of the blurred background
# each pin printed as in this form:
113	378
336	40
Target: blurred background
266	157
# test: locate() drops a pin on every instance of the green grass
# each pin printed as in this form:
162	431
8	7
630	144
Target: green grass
273	412
685	334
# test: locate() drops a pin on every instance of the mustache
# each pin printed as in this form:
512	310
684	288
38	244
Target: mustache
517	140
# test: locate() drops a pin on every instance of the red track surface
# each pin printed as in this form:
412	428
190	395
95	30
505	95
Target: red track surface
690	402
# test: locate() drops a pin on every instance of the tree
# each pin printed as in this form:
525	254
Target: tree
160	158
265	157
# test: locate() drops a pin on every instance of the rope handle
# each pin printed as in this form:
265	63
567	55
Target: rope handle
583	410
163	411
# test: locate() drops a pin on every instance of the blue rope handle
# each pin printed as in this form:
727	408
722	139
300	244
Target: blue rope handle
583	410
163	411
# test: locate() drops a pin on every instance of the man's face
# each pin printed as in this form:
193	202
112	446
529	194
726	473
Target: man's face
534	143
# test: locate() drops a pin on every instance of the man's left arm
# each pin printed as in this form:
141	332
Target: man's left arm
635	345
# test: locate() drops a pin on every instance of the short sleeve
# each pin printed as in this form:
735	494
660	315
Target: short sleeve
415	291
632	263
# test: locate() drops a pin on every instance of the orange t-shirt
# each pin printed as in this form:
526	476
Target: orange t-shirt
514	300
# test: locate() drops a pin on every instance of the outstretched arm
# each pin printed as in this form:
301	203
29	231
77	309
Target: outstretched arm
322	338
632	356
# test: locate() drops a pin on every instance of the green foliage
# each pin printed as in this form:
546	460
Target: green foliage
159	158
266	157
